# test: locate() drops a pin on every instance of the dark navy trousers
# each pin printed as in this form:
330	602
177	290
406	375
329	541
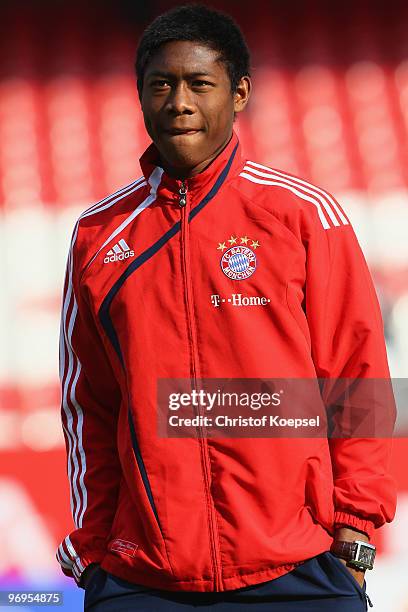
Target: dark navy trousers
320	584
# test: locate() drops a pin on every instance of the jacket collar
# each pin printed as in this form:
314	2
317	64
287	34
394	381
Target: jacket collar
165	187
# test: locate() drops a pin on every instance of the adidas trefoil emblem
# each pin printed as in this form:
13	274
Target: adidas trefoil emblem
121	250
239	260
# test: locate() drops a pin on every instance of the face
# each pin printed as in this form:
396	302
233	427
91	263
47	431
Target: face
188	106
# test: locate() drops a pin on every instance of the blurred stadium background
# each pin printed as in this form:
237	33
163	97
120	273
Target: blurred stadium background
330	104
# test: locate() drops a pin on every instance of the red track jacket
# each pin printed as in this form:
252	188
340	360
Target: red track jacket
202	514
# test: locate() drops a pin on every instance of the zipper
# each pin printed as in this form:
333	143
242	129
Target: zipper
183	203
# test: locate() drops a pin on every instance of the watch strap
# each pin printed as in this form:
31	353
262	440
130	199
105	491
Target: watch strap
344	549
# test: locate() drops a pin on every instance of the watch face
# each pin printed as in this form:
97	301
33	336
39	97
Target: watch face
366	555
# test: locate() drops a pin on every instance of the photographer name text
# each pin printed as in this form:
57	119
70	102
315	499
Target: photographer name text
227	421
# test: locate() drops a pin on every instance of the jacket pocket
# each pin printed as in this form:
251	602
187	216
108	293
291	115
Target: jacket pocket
142	469
294	298
319	487
136	523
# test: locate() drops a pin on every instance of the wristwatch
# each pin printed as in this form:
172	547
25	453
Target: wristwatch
358	553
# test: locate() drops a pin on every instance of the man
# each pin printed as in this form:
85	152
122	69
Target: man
212	266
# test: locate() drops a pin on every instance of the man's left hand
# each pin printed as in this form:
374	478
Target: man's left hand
357	573
348	534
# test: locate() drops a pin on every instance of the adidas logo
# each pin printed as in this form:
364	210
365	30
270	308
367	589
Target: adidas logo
118	252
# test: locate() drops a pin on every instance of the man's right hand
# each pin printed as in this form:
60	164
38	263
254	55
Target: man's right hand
87	574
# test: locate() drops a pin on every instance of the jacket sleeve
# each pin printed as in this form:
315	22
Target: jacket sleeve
89	412
347	338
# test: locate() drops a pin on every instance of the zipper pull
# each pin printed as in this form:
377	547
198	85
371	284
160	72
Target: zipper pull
369	600
183	194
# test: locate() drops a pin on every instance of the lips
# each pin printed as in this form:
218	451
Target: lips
182	131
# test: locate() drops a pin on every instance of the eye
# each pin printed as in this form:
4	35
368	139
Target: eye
159	83
201	83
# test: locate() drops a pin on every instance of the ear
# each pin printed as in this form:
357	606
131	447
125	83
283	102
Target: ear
242	93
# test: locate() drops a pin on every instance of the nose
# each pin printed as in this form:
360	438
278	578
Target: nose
180	100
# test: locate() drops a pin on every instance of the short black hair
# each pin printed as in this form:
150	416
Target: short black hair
196	23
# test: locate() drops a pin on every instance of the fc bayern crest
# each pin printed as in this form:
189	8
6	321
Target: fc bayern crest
239	261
